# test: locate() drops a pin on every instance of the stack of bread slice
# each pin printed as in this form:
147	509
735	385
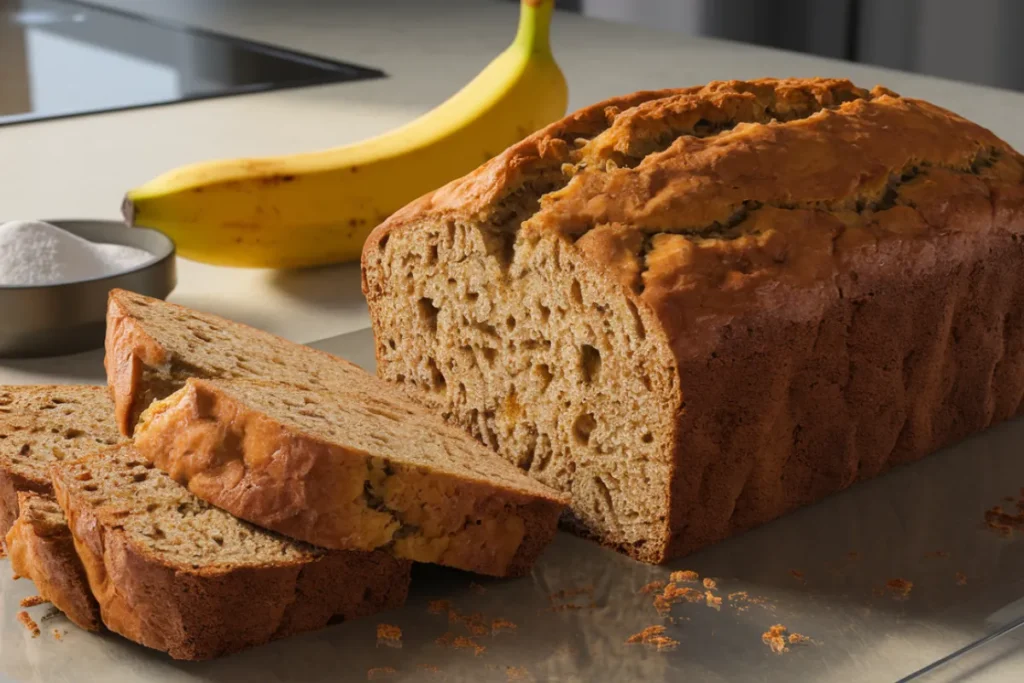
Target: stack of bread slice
269	488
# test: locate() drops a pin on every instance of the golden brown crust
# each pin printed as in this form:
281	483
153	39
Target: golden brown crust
278	477
834	270
199	613
129	354
45	553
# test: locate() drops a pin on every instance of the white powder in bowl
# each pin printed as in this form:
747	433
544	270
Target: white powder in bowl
33	253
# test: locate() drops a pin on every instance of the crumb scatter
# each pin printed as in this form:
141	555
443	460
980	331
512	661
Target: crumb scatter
451	640
652	587
710	584
389	635
33	600
961	578
653	635
684	576
30	625
778	638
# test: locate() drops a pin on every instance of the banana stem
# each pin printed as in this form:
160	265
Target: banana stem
535	26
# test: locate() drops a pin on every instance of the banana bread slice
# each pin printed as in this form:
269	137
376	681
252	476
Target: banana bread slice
176	574
41	548
153	346
356	471
43	424
696	310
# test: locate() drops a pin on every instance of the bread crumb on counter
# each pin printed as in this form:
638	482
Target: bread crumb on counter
652	587
499	625
449	639
710	584
899	588
797	574
33	600
1005	523
685	576
389	635
653	635
936	555
380	672
673	594
30	625
518	673
58	634
961	579
778	638
713	600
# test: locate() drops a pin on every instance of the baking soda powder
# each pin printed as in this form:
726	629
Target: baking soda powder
33	253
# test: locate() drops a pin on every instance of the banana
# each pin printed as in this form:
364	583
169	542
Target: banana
318	207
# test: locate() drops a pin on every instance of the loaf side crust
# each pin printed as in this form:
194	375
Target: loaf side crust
45	553
271	475
196	614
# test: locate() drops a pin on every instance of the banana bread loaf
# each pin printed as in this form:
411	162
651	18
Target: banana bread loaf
697	309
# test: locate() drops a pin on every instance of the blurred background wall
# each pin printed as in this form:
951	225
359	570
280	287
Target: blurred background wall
968	40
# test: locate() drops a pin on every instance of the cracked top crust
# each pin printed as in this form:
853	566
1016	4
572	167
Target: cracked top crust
692	198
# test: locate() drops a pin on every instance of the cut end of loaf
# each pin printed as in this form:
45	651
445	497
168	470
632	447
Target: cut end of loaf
517	341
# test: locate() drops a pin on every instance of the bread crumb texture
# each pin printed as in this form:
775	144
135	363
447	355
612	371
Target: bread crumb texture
33	600
778	638
30	625
389	635
653	635
451	640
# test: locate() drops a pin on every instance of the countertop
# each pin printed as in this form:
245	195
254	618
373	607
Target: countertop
80	167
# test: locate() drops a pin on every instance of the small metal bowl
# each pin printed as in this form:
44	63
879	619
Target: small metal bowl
53	320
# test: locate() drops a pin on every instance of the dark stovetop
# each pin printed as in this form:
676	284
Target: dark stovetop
62	58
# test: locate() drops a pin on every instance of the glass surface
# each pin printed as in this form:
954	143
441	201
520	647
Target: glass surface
61	58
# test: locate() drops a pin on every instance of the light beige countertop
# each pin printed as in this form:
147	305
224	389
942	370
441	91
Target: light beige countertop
80	167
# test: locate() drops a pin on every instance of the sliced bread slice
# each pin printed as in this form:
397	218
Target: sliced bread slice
173	573
41	549
153	346
364	470
43	424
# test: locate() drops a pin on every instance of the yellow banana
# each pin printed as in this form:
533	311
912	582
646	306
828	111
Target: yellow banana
317	208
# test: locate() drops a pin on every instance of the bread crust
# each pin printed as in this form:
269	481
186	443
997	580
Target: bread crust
299	485
11	484
45	553
199	613
834	271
